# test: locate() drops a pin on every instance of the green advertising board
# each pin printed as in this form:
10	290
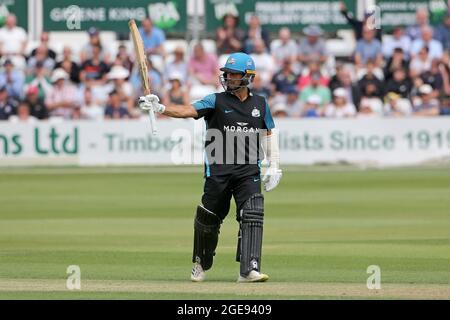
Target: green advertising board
17	7
112	15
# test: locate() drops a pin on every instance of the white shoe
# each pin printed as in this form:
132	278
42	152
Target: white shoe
197	275
253	276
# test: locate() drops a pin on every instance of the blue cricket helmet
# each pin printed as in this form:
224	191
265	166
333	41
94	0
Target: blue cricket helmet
240	62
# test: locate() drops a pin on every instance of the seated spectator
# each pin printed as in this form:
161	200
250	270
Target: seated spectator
426	105
371	97
90	110
358	25
316	89
12	79
312	49
178	65
339	108
420	63
286	48
400	83
396	106
293	103
397	61
7	105
258	87
123	58
115	109
371	78
13	42
414	31
368	109
44	42
176	95
311	108
442	32
264	61
343	79
62	99
42	56
87	53
368	48
153	38
69	65
435	49
117	80
23	114
433	77
255	32
39	79
94	69
285	78
279	110
398	40
38	109
229	37
305	78
203	67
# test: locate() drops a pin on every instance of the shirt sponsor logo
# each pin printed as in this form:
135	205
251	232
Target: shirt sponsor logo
239	129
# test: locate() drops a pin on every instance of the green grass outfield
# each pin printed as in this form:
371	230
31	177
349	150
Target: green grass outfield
130	231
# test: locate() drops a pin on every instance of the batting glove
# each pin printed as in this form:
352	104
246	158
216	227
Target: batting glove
151	102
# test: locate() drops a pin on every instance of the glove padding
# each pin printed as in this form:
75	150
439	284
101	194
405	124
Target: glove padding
271	178
151	102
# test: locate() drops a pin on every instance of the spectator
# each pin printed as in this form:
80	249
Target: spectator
178	65
7	105
292	102
153	38
433	77
42	56
398	60
94	69
371	98
420	63
23	114
368	109
426	105
358	25
368	48
123	58
12	79
285	78
62	99
176	95
435	50
339	108
13	42
259	88
442	32
284	48
279	110
414	31
90	110
255	32
203	67
312	49
38	109
69	65
117	80
87	53
311	108
115	109
343	79
40	79
156	80
400	83
44	43
370	77
305	79
316	89
398	40
396	106
229	37
264	61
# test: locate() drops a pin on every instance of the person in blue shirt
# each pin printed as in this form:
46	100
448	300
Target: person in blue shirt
153	37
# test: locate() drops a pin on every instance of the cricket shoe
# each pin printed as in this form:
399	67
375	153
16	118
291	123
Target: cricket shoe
197	275
253	276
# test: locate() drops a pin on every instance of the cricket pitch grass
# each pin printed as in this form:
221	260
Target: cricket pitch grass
130	231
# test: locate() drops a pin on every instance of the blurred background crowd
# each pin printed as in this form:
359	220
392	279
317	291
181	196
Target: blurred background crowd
405	72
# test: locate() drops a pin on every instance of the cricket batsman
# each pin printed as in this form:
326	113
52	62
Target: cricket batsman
237	114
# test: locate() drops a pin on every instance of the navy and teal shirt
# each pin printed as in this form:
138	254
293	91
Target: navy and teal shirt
238	122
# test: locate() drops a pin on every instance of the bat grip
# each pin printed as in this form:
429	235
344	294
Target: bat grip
151	114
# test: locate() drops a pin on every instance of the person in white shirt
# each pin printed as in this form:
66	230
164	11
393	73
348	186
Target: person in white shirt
435	47
89	109
23	114
264	61
284	48
339	108
13	41
398	40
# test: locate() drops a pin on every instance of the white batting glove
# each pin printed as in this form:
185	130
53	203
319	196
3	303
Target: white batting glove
151	102
271	178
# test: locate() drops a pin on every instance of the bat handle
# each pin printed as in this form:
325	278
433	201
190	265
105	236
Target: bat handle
151	114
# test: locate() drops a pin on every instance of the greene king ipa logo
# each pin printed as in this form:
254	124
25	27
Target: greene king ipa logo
45	142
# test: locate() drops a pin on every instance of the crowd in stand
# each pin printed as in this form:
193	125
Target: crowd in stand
405	73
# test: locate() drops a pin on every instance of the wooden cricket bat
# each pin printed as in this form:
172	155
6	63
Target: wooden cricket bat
141	60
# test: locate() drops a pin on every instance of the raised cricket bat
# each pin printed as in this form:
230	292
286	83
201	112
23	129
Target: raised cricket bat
141	60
